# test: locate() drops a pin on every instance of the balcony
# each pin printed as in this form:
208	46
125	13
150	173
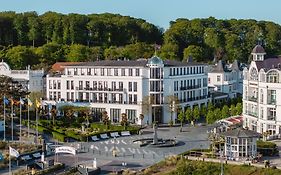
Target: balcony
194	99
189	87
252	98
253	114
271	102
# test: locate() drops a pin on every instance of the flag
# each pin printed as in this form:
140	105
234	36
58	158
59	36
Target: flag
6	101
13	152
29	102
12	102
1	157
21	101
37	103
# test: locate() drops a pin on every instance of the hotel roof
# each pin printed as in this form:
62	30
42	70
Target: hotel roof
131	63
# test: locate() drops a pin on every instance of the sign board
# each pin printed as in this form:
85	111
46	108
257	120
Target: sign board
65	149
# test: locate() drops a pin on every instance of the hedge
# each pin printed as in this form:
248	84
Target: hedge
59	136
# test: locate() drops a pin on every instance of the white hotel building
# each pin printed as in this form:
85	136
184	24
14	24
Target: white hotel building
226	78
120	86
262	92
30	79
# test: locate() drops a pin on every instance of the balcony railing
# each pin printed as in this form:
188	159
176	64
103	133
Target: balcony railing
194	99
254	114
189	87
252	98
271	102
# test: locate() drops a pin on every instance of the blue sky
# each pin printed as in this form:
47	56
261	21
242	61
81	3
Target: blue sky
158	12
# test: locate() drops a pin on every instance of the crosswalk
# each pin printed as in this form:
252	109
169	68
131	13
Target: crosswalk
126	150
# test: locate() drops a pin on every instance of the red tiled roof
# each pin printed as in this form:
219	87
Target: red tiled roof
59	66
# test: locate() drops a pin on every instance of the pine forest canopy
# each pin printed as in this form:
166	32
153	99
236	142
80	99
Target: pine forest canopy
41	40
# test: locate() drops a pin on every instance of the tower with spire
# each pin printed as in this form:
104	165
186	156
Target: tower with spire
258	53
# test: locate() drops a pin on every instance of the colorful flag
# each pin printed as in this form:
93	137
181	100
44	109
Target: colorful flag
38	104
13	152
12	102
29	102
21	101
6	101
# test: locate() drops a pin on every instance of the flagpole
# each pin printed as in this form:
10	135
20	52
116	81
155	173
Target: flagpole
36	124
20	119
28	120
10	167
4	119
12	118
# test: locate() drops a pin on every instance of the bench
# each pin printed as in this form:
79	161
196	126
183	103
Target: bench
95	138
114	134
125	133
26	158
36	155
104	136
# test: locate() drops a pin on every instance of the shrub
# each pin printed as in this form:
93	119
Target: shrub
59	136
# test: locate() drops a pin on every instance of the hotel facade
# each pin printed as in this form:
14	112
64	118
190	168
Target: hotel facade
32	80
139	87
262	92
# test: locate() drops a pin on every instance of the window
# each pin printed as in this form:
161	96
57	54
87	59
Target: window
89	71
72	85
130	87
131	114
72	96
113	86
80	85
115	72
51	95
135	86
272	77
67	96
218	78
115	114
102	72
123	72
75	71
130	99
59	84
108	72
121	86
67	84
135	98
130	72
272	99
271	114
137	72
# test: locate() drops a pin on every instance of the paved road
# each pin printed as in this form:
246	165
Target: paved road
132	154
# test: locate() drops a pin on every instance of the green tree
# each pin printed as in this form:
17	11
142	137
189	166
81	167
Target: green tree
196	52
34	29
233	110
105	119
196	113
181	118
239	109
210	118
21	56
124	120
225	112
217	114
77	53
188	114
203	111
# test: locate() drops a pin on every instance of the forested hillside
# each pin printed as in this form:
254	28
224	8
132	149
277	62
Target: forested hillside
41	40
